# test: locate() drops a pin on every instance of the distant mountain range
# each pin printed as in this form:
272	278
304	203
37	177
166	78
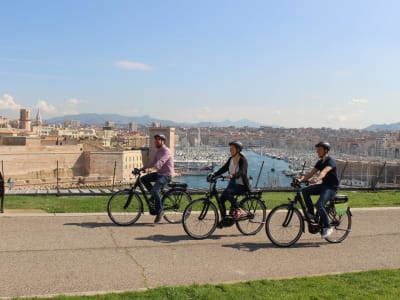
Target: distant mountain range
100	119
384	127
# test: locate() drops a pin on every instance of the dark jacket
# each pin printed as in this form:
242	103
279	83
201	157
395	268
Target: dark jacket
241	173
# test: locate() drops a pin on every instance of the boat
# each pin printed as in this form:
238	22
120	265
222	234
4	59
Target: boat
194	167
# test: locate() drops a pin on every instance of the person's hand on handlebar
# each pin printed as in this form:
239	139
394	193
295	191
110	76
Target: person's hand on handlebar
210	176
229	176
312	181
303	180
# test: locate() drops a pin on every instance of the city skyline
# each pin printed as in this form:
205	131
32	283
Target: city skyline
289	63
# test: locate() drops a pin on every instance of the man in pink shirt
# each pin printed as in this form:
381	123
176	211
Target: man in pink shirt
163	162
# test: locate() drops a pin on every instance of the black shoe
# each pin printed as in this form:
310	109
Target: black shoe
159	217
311	217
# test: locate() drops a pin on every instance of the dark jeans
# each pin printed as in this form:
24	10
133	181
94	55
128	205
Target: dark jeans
325	193
229	193
155	190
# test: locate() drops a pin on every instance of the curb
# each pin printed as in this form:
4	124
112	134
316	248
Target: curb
22	213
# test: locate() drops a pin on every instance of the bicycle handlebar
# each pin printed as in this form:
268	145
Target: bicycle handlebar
213	178
137	171
296	183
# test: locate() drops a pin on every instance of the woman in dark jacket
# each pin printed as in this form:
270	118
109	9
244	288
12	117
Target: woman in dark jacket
236	166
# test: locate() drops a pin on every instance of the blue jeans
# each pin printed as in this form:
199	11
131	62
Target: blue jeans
325	194
155	190
229	193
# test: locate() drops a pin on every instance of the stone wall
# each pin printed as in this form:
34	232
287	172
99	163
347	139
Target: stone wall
36	164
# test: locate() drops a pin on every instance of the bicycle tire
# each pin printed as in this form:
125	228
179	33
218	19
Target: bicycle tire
124	207
255	214
341	225
174	203
200	218
284	225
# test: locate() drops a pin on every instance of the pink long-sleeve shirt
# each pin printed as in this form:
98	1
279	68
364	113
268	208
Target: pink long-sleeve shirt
163	161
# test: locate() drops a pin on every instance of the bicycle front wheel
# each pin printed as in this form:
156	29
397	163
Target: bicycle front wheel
284	225
200	218
253	219
174	203
341	225
124	207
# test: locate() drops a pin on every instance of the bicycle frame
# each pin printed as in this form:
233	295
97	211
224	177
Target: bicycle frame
299	199
312	226
212	192
133	189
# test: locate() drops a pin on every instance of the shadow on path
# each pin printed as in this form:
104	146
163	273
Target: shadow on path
250	247
161	238
97	224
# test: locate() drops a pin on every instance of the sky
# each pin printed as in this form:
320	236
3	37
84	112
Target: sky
287	63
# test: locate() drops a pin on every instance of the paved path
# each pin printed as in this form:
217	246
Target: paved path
43	254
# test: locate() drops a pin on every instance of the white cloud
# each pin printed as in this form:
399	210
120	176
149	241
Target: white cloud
45	107
73	101
132	65
7	102
72	106
359	101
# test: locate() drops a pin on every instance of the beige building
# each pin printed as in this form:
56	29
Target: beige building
104	164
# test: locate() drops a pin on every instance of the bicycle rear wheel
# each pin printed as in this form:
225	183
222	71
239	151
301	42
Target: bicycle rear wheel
341	225
124	207
174	203
253	219
284	225
200	218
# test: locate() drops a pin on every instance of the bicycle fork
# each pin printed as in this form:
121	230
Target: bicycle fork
204	211
128	202
288	217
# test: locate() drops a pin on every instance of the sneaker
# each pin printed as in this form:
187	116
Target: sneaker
238	214
158	217
326	232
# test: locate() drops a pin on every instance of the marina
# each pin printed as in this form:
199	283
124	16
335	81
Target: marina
264	171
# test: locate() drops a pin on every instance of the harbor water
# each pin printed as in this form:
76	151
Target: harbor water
270	175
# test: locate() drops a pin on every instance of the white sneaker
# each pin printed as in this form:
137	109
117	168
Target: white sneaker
326	232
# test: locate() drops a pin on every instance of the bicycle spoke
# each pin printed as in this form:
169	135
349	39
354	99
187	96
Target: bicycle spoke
284	225
174	203
253	217
200	224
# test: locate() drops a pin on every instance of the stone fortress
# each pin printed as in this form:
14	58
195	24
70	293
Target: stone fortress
36	162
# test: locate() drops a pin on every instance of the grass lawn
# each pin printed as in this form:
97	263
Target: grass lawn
54	204
382	284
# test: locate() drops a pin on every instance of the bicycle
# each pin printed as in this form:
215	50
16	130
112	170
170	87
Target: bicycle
201	217
285	223
126	206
